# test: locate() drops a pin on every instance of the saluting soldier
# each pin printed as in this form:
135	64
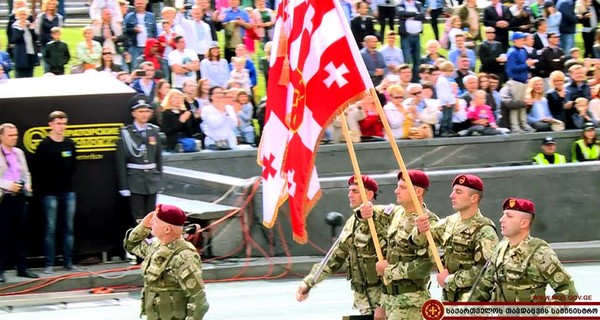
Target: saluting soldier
355	248
406	267
172	270
522	266
467	237
139	159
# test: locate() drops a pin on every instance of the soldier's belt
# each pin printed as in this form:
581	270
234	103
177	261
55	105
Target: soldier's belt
400	287
141	166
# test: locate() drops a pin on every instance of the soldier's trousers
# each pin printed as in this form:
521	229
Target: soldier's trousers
361	300
142	204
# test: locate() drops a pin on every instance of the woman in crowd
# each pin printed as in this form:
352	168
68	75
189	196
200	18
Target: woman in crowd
108	64
45	21
396	113
539	117
109	33
553	17
214	68
263	19
456	28
192	104
219	121
177	121
89	51
371	127
162	89
432	52
13	17
23	40
586	148
556	96
202	92
244	111
589	19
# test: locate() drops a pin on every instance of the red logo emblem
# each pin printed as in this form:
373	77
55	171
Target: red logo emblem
432	310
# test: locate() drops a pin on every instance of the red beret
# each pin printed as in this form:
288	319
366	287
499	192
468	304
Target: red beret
418	178
522	205
370	183
469	181
171	215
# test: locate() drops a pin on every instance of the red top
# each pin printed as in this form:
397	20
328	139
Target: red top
371	126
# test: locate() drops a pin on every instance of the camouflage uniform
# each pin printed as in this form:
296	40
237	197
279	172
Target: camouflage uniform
467	245
173	287
357	249
408	272
520	272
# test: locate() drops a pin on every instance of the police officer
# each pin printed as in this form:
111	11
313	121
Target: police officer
522	266
467	237
549	154
406	267
586	148
172	270
139	159
357	250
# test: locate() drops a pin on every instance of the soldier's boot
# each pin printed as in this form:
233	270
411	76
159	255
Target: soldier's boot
523	120
514	121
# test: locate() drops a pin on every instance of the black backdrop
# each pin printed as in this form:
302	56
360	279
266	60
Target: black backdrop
95	115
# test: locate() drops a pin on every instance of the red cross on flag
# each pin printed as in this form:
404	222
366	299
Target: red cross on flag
316	71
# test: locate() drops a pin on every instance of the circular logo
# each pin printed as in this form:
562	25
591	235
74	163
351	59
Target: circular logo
432	310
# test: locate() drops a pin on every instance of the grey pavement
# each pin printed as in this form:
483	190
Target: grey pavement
266	300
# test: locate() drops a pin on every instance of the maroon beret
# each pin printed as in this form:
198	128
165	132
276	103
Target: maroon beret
418	178
370	183
522	205
469	181
171	214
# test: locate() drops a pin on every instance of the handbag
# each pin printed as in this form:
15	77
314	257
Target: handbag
187	144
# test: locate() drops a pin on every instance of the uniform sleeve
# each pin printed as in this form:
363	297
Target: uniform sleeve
121	159
483	291
554	273
188	268
135	241
337	260
437	231
486	241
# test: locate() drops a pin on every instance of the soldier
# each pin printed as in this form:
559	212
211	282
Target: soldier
406	267
139	160
172	270
357	249
522	266
467	237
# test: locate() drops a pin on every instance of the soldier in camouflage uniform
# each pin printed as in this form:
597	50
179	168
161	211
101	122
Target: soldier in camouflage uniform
467	237
172	270
522	266
406	267
357	250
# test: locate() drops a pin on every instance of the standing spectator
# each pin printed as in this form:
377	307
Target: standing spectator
577	88
522	19
145	84
392	55
497	16
435	8
432	48
183	62
56	54
165	39
481	116
444	93
568	24
552	57
152	54
97	6
455	28
411	15
109	33
139	26
13	17
263	63
518	65
219	121
540	117
23	39
469	16
491	54
461	49
549	155
177	121
162	89
214	68
55	186
263	20
235	21
537	9
89	52
139	160
588	17
556	97
363	25
540	37
44	23
586	148
373	59
494	85
553	17
195	31
211	18
15	184
384	10
244	111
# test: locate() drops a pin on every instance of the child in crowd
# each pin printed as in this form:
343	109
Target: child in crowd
240	74
445	88
481	116
244	110
583	114
57	53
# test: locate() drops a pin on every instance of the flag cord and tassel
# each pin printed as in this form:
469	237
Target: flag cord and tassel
406	177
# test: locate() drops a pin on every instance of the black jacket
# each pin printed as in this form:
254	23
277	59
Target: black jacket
361	28
551	60
404	15
56	56
488	52
490	18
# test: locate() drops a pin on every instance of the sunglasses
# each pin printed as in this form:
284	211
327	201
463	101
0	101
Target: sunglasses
490	32
415	93
397	97
106	53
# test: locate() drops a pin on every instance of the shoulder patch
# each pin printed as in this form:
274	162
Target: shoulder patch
389	209
559	277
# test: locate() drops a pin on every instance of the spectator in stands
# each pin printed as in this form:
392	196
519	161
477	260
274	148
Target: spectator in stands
577	88
540	37
362	24
431	52
114	6
240	74
493	90
497	16
373	59
384	10
411	15
242	52
552	57
244	110
192	104
152	54
594	105
588	17
481	116
144	83
586	148
183	62
391	53
428	110
582	115
435	8
455	28
109	33
395	112
471	84
371	126
556	97
195	31
235	22
406	75
108	64
568	24
124	7
540	117
219	121
522	20
12	18
460	49
460	120
44	22
211	18
425	73
263	20
263	62
553	17
447	97
537	10
214	68
89	52
549	155
354	113
177	122
139	26
56	55
203	86
23	39
165	39
5	63
469	17
463	69
517	70
491	54
162	89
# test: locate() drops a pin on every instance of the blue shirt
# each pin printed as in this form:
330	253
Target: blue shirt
455	53
539	110
516	64
231	15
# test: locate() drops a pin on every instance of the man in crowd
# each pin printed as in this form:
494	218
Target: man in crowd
384	10
497	16
183	62
392	55
411	16
55	161
552	57
139	26
461	49
491	54
373	59
549	154
362	24
146	84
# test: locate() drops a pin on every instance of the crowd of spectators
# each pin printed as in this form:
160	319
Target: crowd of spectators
519	72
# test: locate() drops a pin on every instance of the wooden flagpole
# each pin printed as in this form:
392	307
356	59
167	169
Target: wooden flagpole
411	188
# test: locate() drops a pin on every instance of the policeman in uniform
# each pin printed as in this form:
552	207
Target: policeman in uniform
586	148
357	250
549	154
406	267
139	159
522	266
467	237
172	270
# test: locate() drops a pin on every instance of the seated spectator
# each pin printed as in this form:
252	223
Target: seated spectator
23	42
177	122
242	52
202	92
594	106
354	114
214	68
557	102
219	121
460	50
240	75
371	126
192	104
460	119
56	56
107	64
162	89
431	52
244	111
396	114
144	82
582	116
89	52
481	116
428	110
549	155
152	53
540	117
109	33
586	148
